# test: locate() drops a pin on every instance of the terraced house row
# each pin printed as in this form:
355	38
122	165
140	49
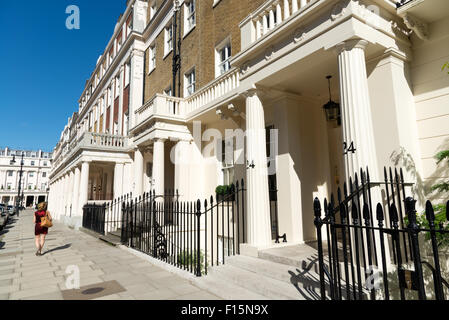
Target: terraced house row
169	97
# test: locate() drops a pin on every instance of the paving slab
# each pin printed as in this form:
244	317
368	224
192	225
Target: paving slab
106	272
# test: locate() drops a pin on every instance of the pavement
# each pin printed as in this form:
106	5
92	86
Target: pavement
105	272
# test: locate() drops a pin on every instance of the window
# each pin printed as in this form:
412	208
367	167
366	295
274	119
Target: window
44	174
109	96
119	42
32	163
152	58
45	163
168	39
31	174
189	83
223	54
117	87
226	157
127	73
10	173
152	10
168	91
189	14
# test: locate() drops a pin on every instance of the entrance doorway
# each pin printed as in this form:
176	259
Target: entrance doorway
41	199
30	200
272	183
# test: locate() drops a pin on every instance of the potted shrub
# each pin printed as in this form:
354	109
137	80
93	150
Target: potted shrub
224	193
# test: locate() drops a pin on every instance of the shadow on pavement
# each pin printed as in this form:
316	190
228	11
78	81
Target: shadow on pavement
66	246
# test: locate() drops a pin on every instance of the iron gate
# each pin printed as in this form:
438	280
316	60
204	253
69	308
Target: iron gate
377	253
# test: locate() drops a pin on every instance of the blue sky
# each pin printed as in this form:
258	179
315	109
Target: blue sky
45	65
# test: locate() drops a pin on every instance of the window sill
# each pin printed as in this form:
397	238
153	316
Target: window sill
167	54
188	32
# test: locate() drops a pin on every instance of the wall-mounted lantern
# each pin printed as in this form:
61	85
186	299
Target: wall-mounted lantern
332	108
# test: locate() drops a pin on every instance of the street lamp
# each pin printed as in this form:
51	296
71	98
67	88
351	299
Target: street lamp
13	162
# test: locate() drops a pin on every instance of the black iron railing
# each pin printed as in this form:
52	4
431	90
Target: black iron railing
94	218
402	3
369	259
105	218
189	235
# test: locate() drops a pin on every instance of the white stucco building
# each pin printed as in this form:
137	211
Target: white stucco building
35	176
385	60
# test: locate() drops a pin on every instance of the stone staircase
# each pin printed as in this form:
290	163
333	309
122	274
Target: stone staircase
284	273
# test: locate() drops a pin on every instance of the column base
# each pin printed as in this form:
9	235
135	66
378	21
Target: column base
72	222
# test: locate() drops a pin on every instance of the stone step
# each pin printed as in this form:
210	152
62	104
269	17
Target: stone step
257	283
111	239
117	233
301	256
286	273
225	289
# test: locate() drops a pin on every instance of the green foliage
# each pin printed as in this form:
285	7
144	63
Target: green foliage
441	156
444	186
440	222
445	66
186	259
222	190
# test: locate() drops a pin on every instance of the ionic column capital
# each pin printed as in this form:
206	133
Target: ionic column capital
160	140
351	44
251	92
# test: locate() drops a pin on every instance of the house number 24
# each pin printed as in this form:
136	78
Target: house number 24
350	149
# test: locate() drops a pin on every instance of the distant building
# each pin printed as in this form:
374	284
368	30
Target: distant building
36	171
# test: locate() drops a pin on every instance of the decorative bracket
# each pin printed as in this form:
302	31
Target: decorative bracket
420	28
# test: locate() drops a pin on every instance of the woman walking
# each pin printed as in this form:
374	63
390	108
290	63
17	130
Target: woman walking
39	231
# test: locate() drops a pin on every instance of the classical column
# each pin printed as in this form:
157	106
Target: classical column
136	84
84	186
76	190
358	134
181	160
59	202
65	194
111	100
356	109
70	194
259	233
138	172
118	180
120	103
159	166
